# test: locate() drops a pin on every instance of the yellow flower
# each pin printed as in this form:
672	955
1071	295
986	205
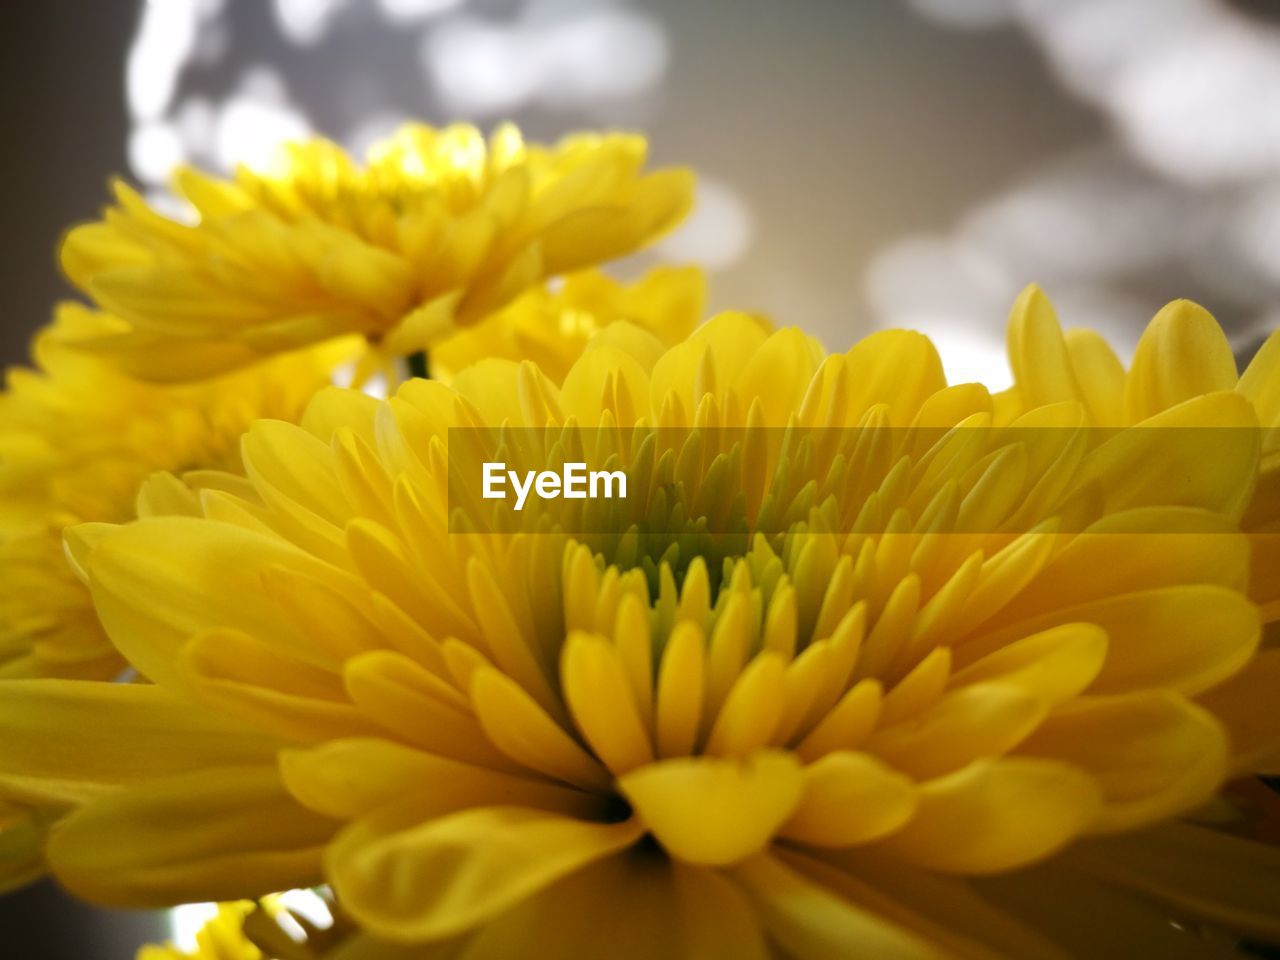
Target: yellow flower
221	938
272	930
1182	357
77	440
551	328
439	228
934	654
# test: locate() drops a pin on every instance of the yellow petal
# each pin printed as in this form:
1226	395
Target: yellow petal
996	815
1137	549
1153	755
973	722
711	811
159	581
287	461
812	922
74	731
1098	373
1187	638
1053	666
638	906
439	878
849	798
717	919
217	834
416	706
848	724
919	689
778	373
252	680
594	380
351	778
898	368
1037	351
508	644
680	691
22	840
1201	453
523	731
1260	382
947	910
1182	354
599	696
751	711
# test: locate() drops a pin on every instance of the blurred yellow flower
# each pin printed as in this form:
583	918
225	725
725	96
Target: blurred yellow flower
551	328
931	656
221	938
439	229
77	440
272	930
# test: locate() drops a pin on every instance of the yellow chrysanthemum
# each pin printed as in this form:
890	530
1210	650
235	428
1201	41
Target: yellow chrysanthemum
551	328
437	229
77	439
917	666
1182	355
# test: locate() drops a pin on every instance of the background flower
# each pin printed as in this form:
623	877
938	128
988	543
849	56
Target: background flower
78	439
551	328
439	228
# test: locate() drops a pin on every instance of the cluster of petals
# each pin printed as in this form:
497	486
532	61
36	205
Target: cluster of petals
839	736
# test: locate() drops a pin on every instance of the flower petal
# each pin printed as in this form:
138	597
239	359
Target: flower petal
159	581
1153	755
599	697
1184	638
1183	353
1201	453
996	815
221	833
71	732
436	879
262	685
982	720
352	778
709	811
1054	665
522	730
849	798
1037	351
812	922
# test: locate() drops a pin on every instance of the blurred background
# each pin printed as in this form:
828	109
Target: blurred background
898	163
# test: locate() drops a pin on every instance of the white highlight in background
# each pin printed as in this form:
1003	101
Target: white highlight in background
185	922
718	231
